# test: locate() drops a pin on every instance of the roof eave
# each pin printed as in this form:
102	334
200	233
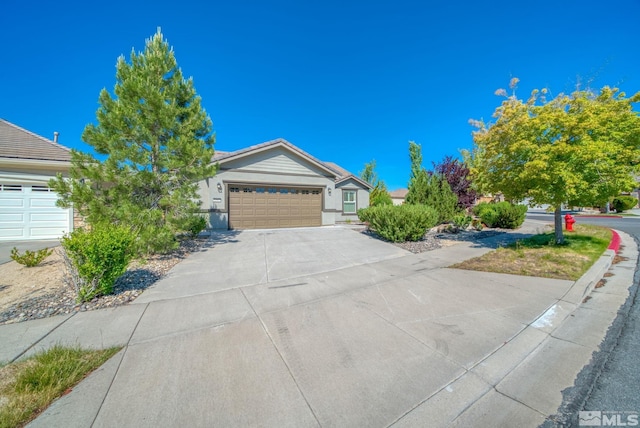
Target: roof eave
271	145
356	179
35	162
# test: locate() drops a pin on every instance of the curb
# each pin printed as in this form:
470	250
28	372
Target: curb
587	282
575	397
525	380
599	216
615	241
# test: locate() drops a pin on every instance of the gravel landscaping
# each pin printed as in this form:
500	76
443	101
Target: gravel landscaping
435	239
62	299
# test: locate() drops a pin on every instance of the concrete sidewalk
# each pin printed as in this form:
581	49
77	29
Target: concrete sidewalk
397	340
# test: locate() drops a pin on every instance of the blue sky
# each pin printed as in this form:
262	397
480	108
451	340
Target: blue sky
347	81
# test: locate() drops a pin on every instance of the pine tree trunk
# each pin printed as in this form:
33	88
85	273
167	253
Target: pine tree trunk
557	217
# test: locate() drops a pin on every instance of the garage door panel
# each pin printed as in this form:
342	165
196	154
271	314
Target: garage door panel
12	202
30	212
273	207
10	233
44	232
11	218
49	217
42	203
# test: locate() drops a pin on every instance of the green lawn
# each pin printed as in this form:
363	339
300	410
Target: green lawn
28	387
537	256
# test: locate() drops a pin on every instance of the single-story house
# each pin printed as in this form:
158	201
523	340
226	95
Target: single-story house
398	196
27	206
276	184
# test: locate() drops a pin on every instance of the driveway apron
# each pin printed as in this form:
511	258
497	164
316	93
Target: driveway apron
307	327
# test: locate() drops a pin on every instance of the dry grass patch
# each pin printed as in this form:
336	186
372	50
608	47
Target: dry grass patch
28	387
538	256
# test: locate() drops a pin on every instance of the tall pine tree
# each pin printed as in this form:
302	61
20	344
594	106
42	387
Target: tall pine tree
417	188
157	143
428	188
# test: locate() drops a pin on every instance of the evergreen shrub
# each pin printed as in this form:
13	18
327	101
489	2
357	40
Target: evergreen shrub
399	223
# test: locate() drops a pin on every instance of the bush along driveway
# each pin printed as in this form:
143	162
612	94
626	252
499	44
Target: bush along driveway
285	328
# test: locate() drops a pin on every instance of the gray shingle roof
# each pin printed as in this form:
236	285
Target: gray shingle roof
18	143
337	168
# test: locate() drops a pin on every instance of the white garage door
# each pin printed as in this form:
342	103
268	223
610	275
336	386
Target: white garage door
30	212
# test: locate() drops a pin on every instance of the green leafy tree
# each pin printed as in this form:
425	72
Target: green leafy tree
578	149
157	143
379	195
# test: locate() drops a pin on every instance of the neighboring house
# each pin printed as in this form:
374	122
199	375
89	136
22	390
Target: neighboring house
27	206
276	184
398	196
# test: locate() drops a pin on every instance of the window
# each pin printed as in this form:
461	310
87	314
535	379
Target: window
247	190
40	189
234	189
10	188
259	189
349	201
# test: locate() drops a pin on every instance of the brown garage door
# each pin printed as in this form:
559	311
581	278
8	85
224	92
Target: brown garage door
264	207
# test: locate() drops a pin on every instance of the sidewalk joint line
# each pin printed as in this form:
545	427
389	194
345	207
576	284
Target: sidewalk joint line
438	392
125	348
266	331
42	338
518	401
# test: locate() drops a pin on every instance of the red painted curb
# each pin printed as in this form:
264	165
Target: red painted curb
598	216
615	241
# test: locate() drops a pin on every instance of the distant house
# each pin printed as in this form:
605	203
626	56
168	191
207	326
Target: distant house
398	196
27	206
276	184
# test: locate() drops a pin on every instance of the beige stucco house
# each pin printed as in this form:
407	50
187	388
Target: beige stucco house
27	206
398	196
276	184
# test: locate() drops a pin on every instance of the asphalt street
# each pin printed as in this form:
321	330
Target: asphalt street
610	384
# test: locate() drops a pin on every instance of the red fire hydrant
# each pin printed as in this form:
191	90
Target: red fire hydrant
568	222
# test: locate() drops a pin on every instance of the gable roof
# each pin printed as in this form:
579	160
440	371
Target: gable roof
340	174
346	175
223	157
400	193
18	143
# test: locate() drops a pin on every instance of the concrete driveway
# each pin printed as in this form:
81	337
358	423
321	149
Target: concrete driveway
237	259
322	327
7	246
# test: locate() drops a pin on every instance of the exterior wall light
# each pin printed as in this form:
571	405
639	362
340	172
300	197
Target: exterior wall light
219	188
329	190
